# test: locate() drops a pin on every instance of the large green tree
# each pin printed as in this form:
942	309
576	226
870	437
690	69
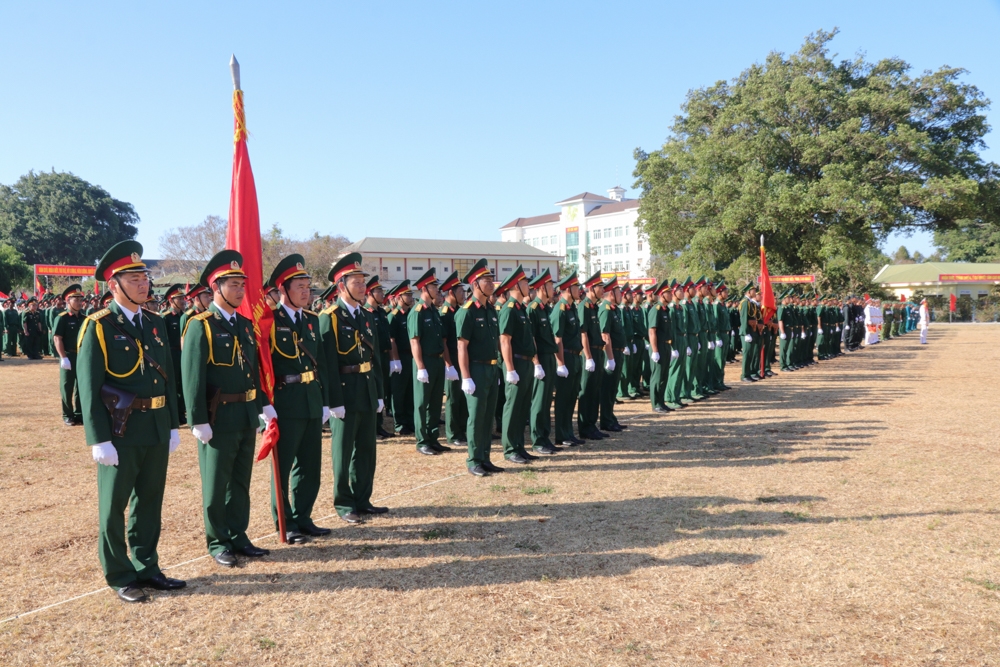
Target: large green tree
823	158
14	272
971	242
59	218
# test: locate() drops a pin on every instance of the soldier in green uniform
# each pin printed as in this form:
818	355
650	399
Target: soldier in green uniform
565	322
129	407
32	330
172	318
402	374
65	333
589	405
672	296
749	322
660	334
432	365
200	299
354	378
517	348
301	398
12	326
550	364
722	337
375	298
220	384
478	331
56	305
609	317
456	412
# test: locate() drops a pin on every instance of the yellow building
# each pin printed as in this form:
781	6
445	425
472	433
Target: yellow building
940	278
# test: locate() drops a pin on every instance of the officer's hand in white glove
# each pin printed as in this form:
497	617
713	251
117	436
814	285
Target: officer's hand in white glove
339	412
609	365
711	345
748	338
675	354
590	366
105	454
381	405
395	366
423	375
718	342
175	439
689	351
203	432
468	386
655	357
64	363
326	414
783	336
562	371
819	331
513	377
269	414
733	333
626	351
803	335
699	347
539	372
450	374
635	348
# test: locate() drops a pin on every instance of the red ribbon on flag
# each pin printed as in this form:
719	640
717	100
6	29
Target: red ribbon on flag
767	303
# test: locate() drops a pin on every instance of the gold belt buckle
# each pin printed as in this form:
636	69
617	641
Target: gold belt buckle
157	402
493	362
308	377
251	395
365	367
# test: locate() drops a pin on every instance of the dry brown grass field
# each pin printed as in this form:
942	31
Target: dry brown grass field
845	514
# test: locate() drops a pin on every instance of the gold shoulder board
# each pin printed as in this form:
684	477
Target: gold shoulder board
99	314
203	316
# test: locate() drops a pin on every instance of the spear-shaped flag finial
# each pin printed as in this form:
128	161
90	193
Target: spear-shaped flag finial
234	69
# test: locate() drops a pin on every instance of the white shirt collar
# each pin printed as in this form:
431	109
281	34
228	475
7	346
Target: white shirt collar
291	311
129	313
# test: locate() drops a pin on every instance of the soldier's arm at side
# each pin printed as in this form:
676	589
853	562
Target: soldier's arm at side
194	372
322	370
335	392
462	333
413	333
90	377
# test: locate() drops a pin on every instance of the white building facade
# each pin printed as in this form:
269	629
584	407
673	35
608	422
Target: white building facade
592	232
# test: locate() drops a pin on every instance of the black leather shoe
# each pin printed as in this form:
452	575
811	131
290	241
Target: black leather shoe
546	450
594	434
573	442
426	449
478	471
440	448
250	551
131	593
622	426
517	458
314	530
295	537
747	380
406	430
162	583
489	467
375	510
352	517
661	408
613	428
69	422
226	558
382	433
460	442
525	455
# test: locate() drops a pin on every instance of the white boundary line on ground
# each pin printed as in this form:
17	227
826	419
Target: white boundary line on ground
194	560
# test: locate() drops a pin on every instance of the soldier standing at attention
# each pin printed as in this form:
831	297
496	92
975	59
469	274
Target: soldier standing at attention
130	420
375	297
749	319
220	381
200	299
593	346
478	331
64	339
456	412
354	378
520	360
609	315
549	364
672	296
402	383
301	398
32	329
565	323
660	352
172	318
12	325
432	365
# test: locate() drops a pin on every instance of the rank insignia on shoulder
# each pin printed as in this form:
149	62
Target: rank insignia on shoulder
511	304
420	307
99	314
468	304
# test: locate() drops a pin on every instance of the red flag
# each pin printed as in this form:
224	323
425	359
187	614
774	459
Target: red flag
97	288
951	303
767	303
39	290
3	296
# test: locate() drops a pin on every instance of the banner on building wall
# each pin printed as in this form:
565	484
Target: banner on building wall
63	270
794	279
968	277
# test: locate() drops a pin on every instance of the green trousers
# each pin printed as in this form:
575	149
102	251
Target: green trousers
456	412
226	464
69	392
701	368
482	404
718	361
402	395
647	369
567	391
300	456
691	369
136	483
175	356
352	448
676	381
609	388
385	358
659	376
751	357
589	403
785	351
10	348
427	397
517	407
541	402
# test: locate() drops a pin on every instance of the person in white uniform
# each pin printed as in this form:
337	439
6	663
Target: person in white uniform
925	319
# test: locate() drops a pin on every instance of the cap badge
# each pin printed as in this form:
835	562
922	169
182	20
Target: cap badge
234	265
135	257
298	265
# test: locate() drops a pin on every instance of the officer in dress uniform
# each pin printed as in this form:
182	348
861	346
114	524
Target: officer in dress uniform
517	348
432	365
593	351
200	299
64	338
220	385
301	398
661	340
12	326
174	297
129	406
402	373
750	332
550	359
32	329
456	412
374	302
609	316
676	398
565	322
356	394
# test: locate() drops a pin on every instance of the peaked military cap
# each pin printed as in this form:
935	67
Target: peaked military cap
174	290
480	269
429	278
72	290
348	265
293	266
400	288
568	281
373	283
541	279
514	278
451	282
124	257
225	264
592	281
610	283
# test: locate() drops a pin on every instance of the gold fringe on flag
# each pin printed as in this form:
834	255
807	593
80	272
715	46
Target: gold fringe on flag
240	133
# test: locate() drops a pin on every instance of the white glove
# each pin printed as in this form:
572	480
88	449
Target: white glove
635	348
468	386
803	335
339	412
450	373
175	440
718	342
395	366
609	365
733	333
838	327
105	454
819	331
269	414
539	372
381	405
626	351
423	376
689	351
590	366
326	414
675	354
711	345
783	336
655	357
699	347
748	338
513	377
562	371
64	363
203	432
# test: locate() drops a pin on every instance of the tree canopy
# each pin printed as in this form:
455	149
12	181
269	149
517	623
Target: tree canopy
970	242
59	218
13	270
824	159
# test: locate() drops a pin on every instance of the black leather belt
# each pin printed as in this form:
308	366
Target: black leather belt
565	350
300	378
154	403
488	362
522	357
245	397
357	368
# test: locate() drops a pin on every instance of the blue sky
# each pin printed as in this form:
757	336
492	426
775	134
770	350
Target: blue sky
439	120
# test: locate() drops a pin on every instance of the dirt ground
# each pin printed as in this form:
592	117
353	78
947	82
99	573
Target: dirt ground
845	514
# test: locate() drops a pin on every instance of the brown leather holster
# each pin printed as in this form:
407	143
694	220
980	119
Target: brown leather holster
119	404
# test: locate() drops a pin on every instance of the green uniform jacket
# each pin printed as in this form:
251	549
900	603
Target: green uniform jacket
541	327
447	314
67	326
514	322
399	333
565	323
425	323
300	400
589	324
479	326
609	317
658	318
351	341
107	357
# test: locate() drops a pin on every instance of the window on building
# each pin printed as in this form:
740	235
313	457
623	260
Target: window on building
618	231
545	240
572	239
572	256
463	266
552	240
384	273
597	234
638	246
626	248
505	269
618	266
618	248
627	230
596	251
626	266
398	269
588	238
607	250
416	268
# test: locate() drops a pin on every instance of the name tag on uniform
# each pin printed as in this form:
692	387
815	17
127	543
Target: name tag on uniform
117	337
347	328
283	329
221	334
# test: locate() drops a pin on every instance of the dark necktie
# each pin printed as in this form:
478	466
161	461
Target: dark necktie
298	319
137	322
